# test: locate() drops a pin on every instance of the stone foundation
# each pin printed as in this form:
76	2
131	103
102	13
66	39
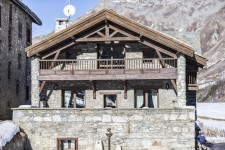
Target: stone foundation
133	129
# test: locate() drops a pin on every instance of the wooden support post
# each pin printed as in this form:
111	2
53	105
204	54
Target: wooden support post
93	84
74	99
125	89
146	99
42	87
164	65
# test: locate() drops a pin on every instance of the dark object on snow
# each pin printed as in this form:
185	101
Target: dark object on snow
201	139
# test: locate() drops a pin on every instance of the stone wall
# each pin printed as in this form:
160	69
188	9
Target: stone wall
53	97
181	80
133	129
8	96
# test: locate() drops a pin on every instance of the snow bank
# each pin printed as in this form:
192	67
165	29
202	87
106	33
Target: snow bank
7	132
211	110
213	124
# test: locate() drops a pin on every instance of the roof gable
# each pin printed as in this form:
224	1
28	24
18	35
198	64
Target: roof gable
141	31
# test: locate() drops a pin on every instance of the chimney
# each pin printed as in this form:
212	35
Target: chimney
61	23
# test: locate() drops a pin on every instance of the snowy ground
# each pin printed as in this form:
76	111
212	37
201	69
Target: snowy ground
212	117
211	110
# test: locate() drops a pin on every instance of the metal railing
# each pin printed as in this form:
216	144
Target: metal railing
96	64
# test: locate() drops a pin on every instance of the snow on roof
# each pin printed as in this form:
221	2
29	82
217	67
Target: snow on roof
7	131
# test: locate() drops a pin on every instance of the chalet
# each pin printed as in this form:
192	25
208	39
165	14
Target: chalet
107	71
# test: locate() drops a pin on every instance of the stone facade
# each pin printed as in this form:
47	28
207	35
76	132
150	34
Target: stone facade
53	97
133	129
181	81
34	82
13	62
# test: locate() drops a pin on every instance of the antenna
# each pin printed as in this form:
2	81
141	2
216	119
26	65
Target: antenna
69	10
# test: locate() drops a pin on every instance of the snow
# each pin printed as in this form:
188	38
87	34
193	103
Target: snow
25	106
7	132
213	124
211	110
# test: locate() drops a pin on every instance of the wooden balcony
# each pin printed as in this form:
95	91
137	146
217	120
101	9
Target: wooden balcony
108	69
191	80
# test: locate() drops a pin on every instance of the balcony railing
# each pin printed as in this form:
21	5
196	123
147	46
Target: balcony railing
99	64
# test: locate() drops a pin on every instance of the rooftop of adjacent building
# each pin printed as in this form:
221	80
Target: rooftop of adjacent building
27	10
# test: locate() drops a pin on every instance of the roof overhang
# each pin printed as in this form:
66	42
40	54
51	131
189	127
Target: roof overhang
27	10
109	15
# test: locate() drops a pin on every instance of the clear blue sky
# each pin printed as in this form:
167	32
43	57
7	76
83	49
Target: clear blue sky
49	10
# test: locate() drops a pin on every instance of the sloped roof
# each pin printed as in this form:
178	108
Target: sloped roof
27	10
112	16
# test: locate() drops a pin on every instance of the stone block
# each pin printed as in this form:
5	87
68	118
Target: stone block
106	118
118	119
56	118
39	119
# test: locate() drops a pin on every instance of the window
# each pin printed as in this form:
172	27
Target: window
9	70
27	93
73	99
20	32
0	46
67	143
110	101
19	61
10	28
28	33
146	98
0	16
10	14
17	87
61	22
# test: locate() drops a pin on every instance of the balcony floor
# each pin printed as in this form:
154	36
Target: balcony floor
114	74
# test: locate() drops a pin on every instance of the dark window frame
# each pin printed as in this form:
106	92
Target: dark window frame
69	139
0	47
9	70
20	30
17	87
28	34
105	103
0	15
19	61
27	93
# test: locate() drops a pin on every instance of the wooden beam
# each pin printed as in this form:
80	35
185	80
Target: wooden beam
92	33
125	89
42	87
107	31
74	98
122	32
105	39
111	35
44	82
146	99
165	74
174	85
93	85
159	49
163	65
59	50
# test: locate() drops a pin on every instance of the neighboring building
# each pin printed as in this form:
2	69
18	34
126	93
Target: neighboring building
15	35
108	71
